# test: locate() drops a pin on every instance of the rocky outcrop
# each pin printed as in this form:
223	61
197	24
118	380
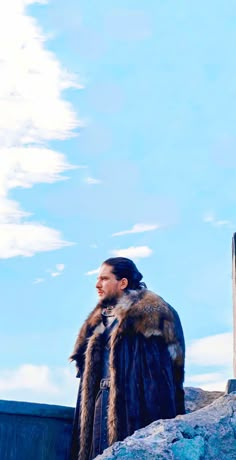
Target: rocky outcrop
206	434
196	398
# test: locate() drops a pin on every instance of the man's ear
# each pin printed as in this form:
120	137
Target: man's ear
124	283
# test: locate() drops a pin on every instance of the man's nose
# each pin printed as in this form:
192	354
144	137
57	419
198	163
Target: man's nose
98	284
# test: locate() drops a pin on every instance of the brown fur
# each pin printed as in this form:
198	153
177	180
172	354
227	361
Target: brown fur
113	396
92	321
89	389
140	312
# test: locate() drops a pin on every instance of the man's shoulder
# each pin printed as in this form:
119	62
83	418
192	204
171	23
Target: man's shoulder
146	300
144	305
148	313
150	298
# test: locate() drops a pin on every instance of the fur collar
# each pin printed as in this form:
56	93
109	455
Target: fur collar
140	311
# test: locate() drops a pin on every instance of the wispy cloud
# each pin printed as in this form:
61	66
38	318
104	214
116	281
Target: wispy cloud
92	181
138	228
133	252
32	81
210	376
215	381
38	280
58	272
209	218
214	350
60	267
27	376
215	353
92	272
25	239
220	223
39	383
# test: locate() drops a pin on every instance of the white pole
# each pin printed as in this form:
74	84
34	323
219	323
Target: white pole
234	300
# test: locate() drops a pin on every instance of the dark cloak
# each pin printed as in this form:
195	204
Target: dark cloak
146	369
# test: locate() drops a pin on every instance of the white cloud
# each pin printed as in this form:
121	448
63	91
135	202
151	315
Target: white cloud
31	84
92	181
27	377
10	212
92	272
213	376
220	223
138	228
59	270
210	219
39	383
214	353
32	80
27	239
29	2
55	274
38	280
217	385
215	350
26	166
134	252
215	381
60	267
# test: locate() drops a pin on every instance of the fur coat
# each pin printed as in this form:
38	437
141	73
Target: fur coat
146	368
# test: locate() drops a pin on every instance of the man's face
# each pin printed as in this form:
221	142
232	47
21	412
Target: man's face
108	287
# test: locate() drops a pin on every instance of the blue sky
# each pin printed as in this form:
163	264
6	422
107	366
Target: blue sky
117	137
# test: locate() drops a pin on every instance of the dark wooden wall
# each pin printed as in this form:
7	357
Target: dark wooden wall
30	431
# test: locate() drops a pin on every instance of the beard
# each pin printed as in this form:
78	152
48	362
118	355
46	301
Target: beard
110	300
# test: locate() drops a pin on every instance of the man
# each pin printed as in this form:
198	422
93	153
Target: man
130	359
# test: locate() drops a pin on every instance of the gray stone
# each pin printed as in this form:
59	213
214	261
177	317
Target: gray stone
196	398
205	434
